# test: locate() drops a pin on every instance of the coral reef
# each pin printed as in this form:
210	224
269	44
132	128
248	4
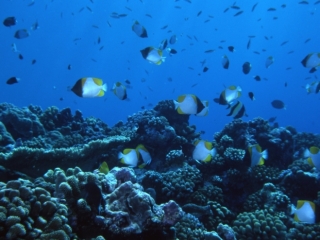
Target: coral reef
52	189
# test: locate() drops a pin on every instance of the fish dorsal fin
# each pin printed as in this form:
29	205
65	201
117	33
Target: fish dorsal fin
196	142
140	146
300	203
181	98
83	81
261	161
194	98
101	93
208	145
97	81
208	158
232	87
258	148
118	84
180	111
310	162
127	150
314	150
250	150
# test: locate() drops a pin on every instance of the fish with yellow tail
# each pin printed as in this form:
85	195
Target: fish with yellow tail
189	104
203	151
228	95
304	212
104	168
257	155
313	156
145	155
89	87
129	156
153	55
312	60
134	157
119	90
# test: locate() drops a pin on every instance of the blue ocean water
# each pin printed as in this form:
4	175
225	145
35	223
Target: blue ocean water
68	35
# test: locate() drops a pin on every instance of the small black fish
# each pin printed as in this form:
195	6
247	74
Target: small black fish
164	27
257	78
209	51
13	80
285	84
283	43
238	13
253	7
101	48
235	7
226	10
123	15
163	45
172	51
307	40
33	61
246	67
22	33
205	69
251	96
69	67
20	56
127	81
169	79
272	119
278	104
303	2
9	21
249	43
231	48
271	9
61	99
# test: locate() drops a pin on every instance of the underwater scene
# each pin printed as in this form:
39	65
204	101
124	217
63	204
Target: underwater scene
159	119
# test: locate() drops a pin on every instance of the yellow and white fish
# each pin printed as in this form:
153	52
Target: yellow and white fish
257	156
145	155
205	110
312	61
153	55
188	104
203	151
313	156
314	87
304	212
139	30
129	156
89	87
229	95
119	90
104	168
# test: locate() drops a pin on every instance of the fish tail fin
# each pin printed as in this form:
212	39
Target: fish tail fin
292	210
104	87
264	154
120	155
176	104
306	153
213	152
